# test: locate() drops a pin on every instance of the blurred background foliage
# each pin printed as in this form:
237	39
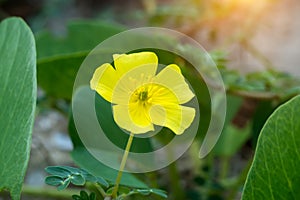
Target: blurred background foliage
254	45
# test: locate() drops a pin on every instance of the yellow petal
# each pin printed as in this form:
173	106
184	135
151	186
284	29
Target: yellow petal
173	116
131	81
171	78
131	119
159	94
104	80
124	63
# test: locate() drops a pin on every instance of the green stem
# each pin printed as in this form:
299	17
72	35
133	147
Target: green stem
100	189
49	192
124	159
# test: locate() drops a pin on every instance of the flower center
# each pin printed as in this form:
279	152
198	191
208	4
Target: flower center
143	95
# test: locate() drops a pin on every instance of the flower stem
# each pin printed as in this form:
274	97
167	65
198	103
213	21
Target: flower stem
124	159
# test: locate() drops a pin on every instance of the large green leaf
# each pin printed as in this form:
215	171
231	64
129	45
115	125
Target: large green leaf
274	173
17	102
59	58
81	36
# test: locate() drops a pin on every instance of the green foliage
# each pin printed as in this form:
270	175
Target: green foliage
232	137
18	96
268	84
80	36
274	172
84	196
59	58
62	176
231	140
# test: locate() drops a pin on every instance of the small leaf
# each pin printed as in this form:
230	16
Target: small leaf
54	180
110	190
84	195
89	177
64	184
92	196
77	179
144	192
159	192
102	182
73	170
76	197
58	171
77	176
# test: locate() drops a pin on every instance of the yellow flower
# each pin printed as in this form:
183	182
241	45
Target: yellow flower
140	97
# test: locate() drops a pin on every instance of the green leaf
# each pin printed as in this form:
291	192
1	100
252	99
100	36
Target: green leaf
56	75
54	180
159	192
76	197
148	192
59	58
81	35
17	102
58	171
77	176
144	192
84	195
274	173
64	185
77	179
92	196
85	160
99	180
231	140
72	170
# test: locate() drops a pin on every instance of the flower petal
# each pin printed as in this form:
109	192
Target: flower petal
131	81
124	63
104	81
174	116
132	119
159	94
171	78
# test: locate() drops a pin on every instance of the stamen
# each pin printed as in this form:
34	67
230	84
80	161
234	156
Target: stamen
143	95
